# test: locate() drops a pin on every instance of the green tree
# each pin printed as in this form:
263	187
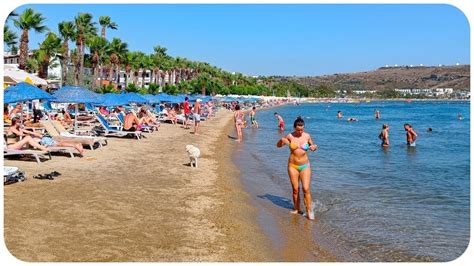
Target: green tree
106	23
118	51
85	29
9	37
99	49
26	21
48	52
66	31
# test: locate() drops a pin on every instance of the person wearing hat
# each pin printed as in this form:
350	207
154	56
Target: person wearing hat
197	115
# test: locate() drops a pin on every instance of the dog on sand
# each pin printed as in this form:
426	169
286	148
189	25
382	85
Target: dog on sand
194	154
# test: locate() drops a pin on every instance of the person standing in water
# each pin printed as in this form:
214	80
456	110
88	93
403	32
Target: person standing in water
239	122
298	165
411	135
281	122
377	114
383	136
339	115
252	117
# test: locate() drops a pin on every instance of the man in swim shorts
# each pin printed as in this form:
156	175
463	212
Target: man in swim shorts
411	135
281	122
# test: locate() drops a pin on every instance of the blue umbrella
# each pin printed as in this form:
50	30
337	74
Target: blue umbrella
113	99
133	97
75	94
151	98
23	92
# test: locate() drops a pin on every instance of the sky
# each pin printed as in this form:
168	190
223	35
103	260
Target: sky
285	39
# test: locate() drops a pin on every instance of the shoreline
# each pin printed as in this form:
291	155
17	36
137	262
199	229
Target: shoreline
137	201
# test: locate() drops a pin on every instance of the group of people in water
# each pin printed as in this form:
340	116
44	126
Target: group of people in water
300	143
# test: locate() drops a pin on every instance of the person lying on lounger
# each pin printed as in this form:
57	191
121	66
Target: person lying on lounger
35	139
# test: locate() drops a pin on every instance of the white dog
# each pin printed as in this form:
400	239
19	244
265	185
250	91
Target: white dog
194	154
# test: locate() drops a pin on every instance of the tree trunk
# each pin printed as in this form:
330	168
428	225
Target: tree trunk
81	64
111	73
23	49
64	61
103	32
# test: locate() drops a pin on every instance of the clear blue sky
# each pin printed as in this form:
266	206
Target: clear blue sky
285	39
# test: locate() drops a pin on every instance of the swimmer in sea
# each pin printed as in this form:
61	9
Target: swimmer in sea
460	117
352	119
383	136
339	114
411	135
377	114
281	122
429	129
300	143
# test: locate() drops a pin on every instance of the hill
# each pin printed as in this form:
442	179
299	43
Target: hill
386	78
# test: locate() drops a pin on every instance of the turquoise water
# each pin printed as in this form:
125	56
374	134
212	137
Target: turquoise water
399	204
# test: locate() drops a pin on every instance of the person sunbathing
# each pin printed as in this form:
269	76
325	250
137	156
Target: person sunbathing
131	122
147	118
172	116
35	139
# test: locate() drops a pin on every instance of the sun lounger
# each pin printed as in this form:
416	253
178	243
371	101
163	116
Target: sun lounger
47	124
64	133
38	155
109	131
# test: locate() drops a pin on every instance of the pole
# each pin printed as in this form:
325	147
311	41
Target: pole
75	118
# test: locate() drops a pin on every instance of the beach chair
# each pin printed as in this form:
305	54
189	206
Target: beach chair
110	131
52	131
64	133
38	155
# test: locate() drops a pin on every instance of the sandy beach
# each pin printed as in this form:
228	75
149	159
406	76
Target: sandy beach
137	201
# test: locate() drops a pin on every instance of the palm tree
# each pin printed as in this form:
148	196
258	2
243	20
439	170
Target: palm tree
85	29
48	52
99	48
159	57
117	51
106	22
28	20
9	37
67	31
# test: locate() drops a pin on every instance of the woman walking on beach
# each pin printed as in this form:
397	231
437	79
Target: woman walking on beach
239	122
298	165
383	136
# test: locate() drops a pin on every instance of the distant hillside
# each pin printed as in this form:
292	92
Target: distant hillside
456	77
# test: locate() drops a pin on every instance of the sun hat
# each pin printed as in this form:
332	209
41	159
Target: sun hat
198	100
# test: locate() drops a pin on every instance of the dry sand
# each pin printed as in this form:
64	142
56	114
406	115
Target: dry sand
137	200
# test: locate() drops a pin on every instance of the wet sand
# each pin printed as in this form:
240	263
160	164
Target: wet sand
137	201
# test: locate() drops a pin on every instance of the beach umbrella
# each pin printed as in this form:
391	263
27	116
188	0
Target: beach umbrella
76	95
113	99
163	97
151	98
133	97
23	92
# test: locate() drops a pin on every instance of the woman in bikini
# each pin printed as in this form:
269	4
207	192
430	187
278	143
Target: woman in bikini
298	165
239	122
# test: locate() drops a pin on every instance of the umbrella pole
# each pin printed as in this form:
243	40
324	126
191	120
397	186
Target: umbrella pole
75	118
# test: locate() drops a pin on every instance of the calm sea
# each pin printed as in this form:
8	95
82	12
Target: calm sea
400	204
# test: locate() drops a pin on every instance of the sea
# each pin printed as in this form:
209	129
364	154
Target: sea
372	204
